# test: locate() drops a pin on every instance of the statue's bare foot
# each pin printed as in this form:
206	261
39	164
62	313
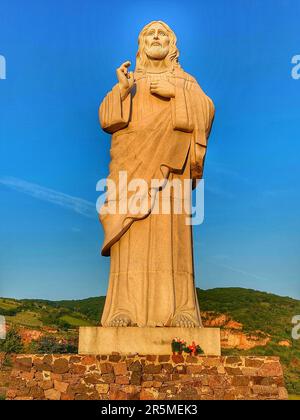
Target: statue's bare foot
183	321
120	321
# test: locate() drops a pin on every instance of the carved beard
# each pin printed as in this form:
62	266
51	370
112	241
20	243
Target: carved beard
156	52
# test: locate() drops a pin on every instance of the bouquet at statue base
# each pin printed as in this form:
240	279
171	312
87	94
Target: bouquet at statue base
180	346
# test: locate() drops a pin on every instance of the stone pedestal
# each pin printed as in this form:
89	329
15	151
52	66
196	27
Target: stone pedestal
133	340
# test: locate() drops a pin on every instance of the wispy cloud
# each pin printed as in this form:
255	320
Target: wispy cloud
223	170
239	271
78	205
221	178
219	192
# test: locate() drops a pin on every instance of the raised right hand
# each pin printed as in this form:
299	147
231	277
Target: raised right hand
125	78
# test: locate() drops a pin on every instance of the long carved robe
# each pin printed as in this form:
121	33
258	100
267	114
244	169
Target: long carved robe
151	274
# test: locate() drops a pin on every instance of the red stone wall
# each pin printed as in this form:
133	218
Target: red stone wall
73	377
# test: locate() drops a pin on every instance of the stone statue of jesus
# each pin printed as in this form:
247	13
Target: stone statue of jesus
160	120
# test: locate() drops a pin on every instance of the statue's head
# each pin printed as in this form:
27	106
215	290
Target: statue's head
157	41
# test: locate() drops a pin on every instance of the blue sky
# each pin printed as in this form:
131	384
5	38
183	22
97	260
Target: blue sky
61	58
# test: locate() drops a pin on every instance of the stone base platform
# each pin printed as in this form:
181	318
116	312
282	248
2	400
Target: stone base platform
165	377
103	341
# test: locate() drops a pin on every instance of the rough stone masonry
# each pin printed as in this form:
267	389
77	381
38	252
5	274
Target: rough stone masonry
115	377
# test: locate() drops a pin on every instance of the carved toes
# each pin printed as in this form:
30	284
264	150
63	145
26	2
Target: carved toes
182	321
120	321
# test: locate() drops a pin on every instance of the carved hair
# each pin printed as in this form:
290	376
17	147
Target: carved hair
173	55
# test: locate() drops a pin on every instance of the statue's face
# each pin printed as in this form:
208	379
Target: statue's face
157	42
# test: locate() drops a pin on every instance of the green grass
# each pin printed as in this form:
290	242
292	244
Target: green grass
92	308
26	319
75	322
7	304
294	397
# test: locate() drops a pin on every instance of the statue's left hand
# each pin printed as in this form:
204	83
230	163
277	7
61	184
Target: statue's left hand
162	88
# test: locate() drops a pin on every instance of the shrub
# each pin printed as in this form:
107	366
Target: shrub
12	343
51	345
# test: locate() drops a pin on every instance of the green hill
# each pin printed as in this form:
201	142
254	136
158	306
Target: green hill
265	312
256	311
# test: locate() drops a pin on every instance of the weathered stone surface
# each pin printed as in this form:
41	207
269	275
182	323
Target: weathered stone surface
11	394
118	395
177	358
120	369
151	368
270	369
233	360
80	388
146	377
282	393
240	381
211	362
167	367
204	390
108	378
248	371
28	376
163	358
152	384
75	359
53	376
194	369
67	397
114	358
148	394
102	388
229	396
88	360
36	393
81	397
221	370
61	365
24	363
48	359
46	375
45	385
135	378
253	363
52	394
233	371
122	380
106	368
61	386
23	391
135	366
242	392
191	359
265	390
94	378
77	369
180	369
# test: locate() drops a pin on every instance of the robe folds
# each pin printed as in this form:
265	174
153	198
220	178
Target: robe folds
152	275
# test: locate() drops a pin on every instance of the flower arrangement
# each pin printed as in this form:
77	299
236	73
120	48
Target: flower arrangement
179	346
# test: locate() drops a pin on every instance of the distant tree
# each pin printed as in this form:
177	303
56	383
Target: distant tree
12	343
64	325
51	345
